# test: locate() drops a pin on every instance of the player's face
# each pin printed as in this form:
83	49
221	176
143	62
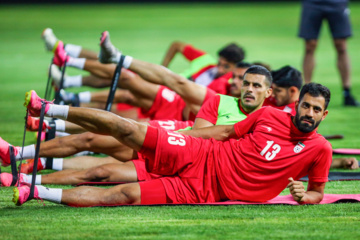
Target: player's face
310	112
254	90
237	79
224	67
281	95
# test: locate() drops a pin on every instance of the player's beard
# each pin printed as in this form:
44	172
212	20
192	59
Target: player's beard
305	127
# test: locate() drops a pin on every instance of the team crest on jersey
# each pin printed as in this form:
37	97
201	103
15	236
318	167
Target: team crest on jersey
299	146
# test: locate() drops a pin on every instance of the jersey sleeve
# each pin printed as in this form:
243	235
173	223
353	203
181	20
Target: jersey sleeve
191	53
319	171
247	125
209	110
221	85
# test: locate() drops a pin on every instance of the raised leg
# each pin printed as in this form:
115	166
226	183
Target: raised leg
114	172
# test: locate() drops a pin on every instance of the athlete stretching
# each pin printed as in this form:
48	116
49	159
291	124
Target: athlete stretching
279	147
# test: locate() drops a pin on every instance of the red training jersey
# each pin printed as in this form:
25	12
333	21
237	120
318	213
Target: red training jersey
290	108
270	150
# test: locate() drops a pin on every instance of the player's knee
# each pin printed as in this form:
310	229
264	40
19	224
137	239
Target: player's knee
98	173
130	195
310	46
87	138
340	47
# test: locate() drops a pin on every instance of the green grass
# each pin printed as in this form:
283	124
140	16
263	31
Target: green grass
268	33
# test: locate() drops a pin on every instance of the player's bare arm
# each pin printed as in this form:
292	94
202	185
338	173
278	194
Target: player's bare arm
314	193
174	48
219	132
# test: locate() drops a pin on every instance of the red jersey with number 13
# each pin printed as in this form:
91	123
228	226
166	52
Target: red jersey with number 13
270	150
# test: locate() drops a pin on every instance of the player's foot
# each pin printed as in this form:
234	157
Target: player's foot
70	98
7	178
50	39
60	56
33	103
108	52
21	194
32	124
28	166
350	101
5	152
56	75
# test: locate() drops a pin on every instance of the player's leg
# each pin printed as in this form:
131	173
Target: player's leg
309	59
310	24
116	172
189	91
340	27
69	145
86	162
73	50
343	61
129	132
129	193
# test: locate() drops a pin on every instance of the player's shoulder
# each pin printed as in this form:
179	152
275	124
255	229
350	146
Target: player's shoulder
323	143
273	111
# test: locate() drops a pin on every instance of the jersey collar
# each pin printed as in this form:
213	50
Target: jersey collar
296	131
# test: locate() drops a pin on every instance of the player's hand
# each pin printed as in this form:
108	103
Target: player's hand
350	163
297	189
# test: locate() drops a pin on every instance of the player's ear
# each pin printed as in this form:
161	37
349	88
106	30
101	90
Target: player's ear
268	92
293	90
325	114
296	104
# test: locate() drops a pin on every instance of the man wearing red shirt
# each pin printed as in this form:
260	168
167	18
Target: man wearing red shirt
271	148
204	69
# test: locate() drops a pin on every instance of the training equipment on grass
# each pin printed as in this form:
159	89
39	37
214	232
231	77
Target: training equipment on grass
61	86
279	200
347	151
14	171
333	176
336	136
340	176
114	83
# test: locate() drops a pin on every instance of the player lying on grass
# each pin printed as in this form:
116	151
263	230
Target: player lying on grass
261	156
221	110
204	68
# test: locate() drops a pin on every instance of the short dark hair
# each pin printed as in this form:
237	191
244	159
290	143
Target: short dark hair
315	90
243	65
232	53
256	69
287	77
265	65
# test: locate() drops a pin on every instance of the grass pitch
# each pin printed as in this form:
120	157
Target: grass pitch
267	32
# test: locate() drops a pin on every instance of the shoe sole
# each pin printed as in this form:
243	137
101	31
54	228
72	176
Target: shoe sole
16	196
28	98
103	37
55	46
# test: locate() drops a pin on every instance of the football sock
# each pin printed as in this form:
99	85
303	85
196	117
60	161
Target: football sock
73	81
50	194
76	62
84	97
58	164
58	111
28	179
60	125
29	152
127	62
73	50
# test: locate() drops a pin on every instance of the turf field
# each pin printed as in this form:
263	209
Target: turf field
268	33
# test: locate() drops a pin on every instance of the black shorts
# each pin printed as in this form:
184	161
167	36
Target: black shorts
337	15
